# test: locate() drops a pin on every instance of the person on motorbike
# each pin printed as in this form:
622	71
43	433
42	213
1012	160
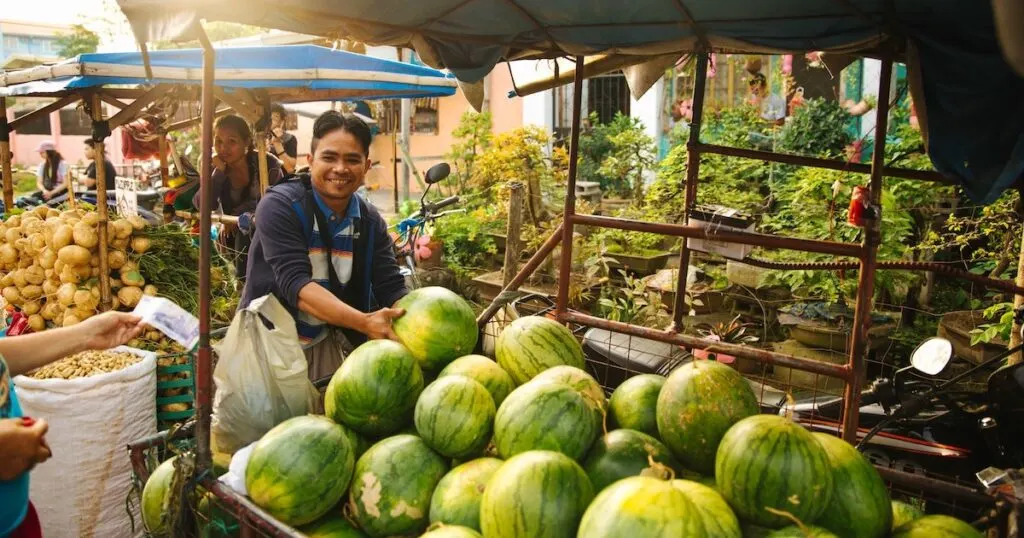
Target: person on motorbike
52	174
338	286
236	181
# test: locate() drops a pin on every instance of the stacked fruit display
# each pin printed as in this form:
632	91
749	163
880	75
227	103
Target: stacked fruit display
520	448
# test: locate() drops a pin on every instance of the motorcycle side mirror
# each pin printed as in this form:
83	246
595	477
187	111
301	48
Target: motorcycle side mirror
932	356
438	173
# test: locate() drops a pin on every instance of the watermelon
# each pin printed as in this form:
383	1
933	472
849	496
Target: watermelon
903	513
807	531
300	469
537	494
767	461
332	526
624	453
454	415
456	501
641	506
532	344
545	416
484	371
860	506
452	531
374	391
358	443
587	386
699	402
154	497
391	488
936	526
634	402
438	326
718	519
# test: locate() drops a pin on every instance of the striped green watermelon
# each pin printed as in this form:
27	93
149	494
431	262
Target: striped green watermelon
936	526
532	344
300	469
807	531
641	506
537	494
767	461
860	506
392	485
454	415
374	391
438	326
699	402
754	531
903	513
634	403
451	531
718	519
624	453
359	443
486	372
332	526
456	500
587	386
154	498
545	416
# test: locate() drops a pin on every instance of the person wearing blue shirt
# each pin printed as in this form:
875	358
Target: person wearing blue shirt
22	442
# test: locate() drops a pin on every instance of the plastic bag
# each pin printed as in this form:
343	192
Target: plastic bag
261	376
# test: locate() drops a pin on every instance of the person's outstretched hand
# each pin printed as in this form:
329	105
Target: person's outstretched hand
378	324
110	329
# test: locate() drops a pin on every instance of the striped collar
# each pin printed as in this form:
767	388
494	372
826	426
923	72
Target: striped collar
351	212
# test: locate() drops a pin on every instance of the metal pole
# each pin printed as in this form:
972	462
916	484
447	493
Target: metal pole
866	278
570	191
5	157
101	201
531	265
692	174
204	357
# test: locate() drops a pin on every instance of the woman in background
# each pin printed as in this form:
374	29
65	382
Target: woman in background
51	177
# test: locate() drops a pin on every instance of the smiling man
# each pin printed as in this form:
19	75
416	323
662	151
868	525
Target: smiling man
324	252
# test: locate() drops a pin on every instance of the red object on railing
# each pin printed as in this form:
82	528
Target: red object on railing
858	204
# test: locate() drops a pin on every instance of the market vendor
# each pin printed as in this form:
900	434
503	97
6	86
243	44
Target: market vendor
236	179
340	304
22	443
283	144
89	182
52	174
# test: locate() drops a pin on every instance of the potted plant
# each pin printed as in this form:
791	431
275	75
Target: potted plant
732	332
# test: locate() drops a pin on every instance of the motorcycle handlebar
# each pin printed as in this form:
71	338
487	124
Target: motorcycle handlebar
441	204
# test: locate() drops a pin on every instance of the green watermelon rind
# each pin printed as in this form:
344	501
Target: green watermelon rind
455	416
456	499
374	392
300	469
154	497
536	494
532	344
544	416
485	371
860	507
697	405
767	461
718	518
634	404
438	326
451	531
809	531
641	506
903	513
936	526
392	485
623	453
332	526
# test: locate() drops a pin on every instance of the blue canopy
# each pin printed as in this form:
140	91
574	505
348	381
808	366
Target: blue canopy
288	73
969	96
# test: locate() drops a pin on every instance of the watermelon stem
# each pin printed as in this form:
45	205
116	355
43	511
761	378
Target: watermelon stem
790	405
789	516
663	471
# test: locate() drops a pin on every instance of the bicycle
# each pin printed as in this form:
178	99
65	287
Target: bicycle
412	227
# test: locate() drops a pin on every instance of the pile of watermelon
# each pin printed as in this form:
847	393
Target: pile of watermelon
424	438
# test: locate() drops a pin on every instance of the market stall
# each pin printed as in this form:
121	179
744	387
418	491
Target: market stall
906	29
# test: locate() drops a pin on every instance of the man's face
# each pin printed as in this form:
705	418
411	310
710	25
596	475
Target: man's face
90	152
338	166
276	120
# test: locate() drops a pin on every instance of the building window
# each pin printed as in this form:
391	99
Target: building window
39	125
74	122
11	43
424	116
608	95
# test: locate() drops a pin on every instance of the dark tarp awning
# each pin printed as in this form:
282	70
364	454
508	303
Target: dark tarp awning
971	96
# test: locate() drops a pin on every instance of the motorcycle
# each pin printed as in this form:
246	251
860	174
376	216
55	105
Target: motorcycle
411	229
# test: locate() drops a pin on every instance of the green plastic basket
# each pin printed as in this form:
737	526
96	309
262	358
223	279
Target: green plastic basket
167	418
